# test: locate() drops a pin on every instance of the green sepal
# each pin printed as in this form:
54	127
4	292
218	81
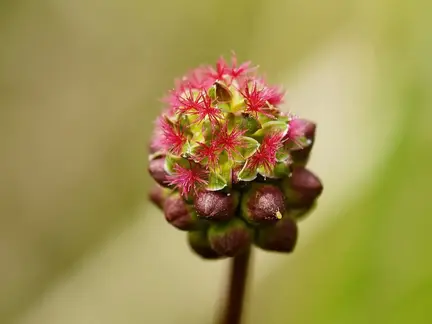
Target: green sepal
271	127
282	154
248	123
280	170
221	176
247	174
263	119
231	121
190	148
249	147
224	107
212	93
225	168
238	103
216	181
171	160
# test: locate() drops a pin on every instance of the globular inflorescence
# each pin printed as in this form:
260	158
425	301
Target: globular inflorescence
230	165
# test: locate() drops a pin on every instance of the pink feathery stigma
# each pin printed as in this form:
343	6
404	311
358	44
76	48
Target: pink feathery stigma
256	100
198	79
172	136
265	156
221	70
274	96
157	139
186	180
206	110
230	141
210	152
188	102
172	99
235	71
296	130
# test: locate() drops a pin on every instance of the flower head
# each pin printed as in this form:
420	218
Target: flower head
230	159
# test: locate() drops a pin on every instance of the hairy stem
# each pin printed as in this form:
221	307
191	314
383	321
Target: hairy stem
236	290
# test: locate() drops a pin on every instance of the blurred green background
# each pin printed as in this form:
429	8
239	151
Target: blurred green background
79	87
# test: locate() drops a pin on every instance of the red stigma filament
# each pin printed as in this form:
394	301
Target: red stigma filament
265	156
187	180
172	136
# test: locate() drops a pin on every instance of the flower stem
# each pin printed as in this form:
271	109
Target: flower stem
236	290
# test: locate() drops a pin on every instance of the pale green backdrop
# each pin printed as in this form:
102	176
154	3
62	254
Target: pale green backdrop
80	83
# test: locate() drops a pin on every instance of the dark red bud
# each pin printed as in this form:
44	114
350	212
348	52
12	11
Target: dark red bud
239	184
216	205
155	144
280	237
158	195
302	128
157	171
263	204
179	214
302	188
301	213
199	243
230	238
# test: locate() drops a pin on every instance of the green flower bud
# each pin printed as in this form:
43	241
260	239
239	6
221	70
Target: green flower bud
263	204
230	238
181	215
199	243
216	205
280	237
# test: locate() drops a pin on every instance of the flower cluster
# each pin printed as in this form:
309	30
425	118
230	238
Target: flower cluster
230	165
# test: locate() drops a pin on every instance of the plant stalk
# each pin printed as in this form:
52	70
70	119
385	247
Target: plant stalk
239	269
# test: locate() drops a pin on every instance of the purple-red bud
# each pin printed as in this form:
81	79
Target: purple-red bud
236	182
216	205
158	195
302	128
158	172
230	238
263	204
179	214
280	237
301	212
302	188
155	144
199	243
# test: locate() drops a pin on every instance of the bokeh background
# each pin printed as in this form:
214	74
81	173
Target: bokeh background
79	88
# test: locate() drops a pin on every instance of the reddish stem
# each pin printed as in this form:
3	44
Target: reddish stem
236	290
